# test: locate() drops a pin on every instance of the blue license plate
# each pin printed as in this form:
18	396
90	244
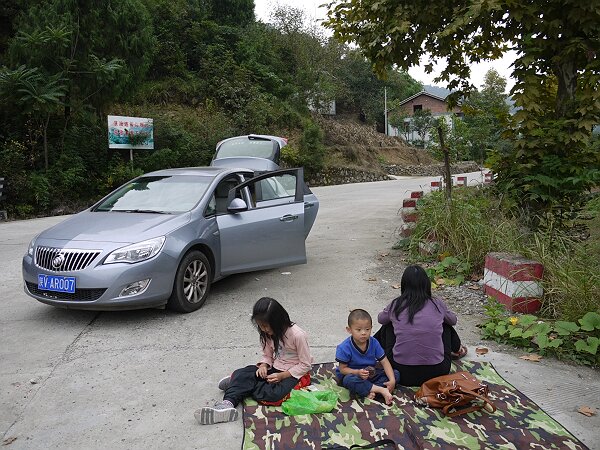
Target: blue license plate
56	283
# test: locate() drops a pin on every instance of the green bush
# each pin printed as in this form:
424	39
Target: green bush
311	148
118	173
576	340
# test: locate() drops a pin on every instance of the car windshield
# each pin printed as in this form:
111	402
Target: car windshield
169	194
245	146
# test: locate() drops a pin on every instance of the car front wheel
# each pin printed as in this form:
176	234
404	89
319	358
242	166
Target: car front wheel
192	283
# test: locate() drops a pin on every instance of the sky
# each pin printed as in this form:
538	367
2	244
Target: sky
478	71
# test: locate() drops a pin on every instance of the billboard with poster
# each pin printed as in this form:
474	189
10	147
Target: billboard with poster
130	132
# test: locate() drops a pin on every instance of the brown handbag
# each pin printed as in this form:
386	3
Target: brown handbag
450	392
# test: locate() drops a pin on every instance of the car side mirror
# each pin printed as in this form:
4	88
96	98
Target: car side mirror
237	205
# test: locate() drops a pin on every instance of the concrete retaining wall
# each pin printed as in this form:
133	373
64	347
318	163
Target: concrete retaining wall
339	175
433	170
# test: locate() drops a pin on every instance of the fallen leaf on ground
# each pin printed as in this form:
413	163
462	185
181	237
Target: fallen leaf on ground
395	286
9	440
440	281
474	287
533	357
371	279
383	255
481	350
586	411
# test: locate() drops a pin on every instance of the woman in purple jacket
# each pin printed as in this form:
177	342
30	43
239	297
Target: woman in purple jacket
418	331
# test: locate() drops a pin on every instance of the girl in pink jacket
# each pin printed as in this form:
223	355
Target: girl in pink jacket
286	358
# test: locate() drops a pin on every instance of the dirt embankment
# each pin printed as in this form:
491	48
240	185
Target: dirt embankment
352	143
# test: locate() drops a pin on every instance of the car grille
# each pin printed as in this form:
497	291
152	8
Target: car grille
82	295
64	260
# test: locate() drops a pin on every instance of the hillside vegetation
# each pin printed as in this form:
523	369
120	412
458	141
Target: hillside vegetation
203	70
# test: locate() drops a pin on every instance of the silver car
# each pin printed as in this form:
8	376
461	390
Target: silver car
166	236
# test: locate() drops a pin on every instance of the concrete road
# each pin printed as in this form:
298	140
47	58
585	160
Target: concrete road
123	380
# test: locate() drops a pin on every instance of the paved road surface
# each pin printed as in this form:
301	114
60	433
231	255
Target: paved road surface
122	380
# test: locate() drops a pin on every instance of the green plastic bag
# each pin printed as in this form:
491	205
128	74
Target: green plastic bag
309	402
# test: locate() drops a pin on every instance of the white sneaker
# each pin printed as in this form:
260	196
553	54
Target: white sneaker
221	412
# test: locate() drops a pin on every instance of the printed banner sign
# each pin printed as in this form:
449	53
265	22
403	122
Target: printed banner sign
130	132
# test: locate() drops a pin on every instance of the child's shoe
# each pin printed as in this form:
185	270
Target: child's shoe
224	383
222	412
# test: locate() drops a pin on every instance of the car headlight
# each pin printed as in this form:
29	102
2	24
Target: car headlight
31	247
136	252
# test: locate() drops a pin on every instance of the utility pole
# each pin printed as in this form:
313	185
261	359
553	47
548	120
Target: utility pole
385	109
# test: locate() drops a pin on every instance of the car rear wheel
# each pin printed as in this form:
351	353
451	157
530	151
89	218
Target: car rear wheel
192	283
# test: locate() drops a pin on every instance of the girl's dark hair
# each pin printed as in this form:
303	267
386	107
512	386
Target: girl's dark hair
268	310
416	291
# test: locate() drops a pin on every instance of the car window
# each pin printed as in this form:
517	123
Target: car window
162	194
220	196
280	187
211	208
244	146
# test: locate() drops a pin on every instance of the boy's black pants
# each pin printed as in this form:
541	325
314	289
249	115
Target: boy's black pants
245	383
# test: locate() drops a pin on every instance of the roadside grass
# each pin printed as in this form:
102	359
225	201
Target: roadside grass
474	224
468	228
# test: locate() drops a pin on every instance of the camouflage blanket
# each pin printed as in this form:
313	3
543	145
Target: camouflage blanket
518	423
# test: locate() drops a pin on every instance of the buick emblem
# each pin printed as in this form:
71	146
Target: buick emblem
58	261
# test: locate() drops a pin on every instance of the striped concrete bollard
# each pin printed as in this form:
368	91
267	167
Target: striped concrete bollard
407	229
514	281
409	215
409	203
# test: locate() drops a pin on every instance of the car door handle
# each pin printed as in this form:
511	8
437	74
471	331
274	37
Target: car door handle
308	204
288	218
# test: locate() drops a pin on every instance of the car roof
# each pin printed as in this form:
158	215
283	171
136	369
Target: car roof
198	171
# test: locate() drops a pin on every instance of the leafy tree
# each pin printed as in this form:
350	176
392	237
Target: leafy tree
457	135
101	50
38	95
551	162
486	117
232	12
309	58
398	118
422	123
362	91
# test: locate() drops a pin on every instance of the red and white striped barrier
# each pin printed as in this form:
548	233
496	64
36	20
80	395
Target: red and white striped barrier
407	229
436	185
416	194
488	177
513	281
461	181
409	215
409	203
